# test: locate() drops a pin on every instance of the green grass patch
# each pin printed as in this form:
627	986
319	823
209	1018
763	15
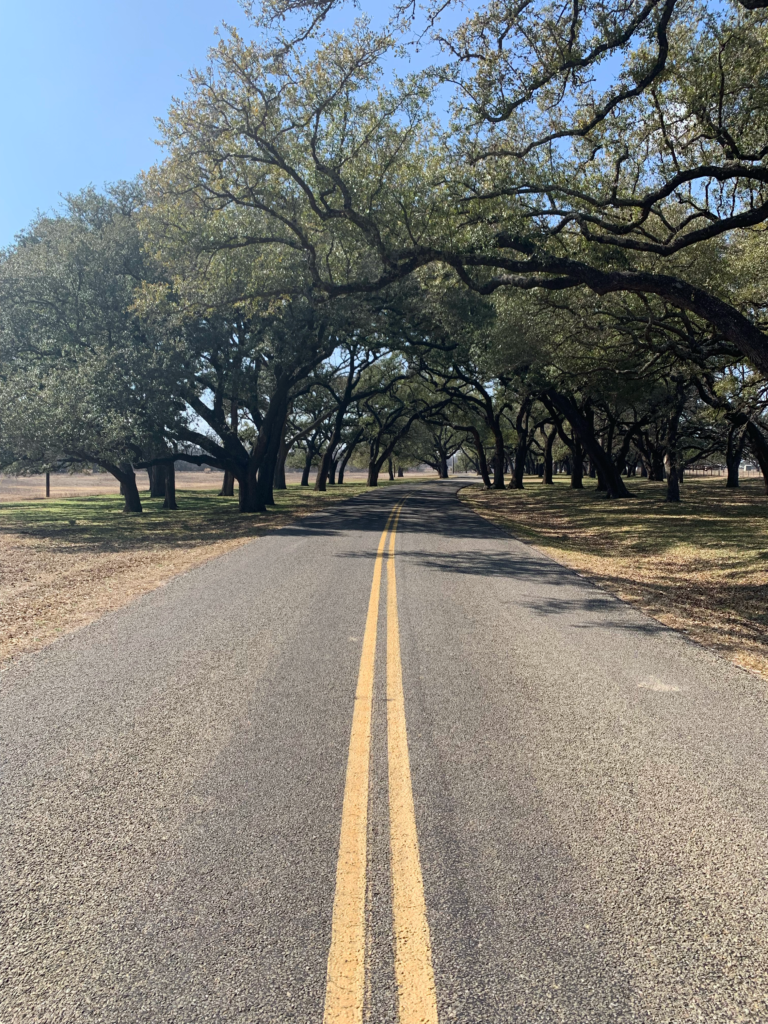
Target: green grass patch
98	521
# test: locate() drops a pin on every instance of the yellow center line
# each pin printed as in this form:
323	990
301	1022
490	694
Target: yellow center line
413	953
345	986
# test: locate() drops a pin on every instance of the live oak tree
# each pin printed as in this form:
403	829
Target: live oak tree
547	180
82	379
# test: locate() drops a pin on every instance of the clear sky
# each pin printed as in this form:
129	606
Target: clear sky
81	82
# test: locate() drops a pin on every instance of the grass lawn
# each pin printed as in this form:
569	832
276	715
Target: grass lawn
700	566
65	562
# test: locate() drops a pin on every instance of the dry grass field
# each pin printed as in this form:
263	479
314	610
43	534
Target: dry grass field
700	566
78	485
66	561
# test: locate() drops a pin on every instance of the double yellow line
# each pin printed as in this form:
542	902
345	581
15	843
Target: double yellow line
345	987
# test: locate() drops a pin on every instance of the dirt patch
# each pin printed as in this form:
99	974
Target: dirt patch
700	567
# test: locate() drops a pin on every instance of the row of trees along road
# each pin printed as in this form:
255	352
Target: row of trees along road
546	250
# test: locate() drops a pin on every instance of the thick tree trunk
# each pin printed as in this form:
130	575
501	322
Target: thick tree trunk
615	486
498	459
518	470
577	467
170	486
673	481
265	480
322	472
307	468
373	474
442	466
521	452
391	469
481	459
227	485
548	445
248	491
671	458
156	476
332	472
733	452
279	482
130	491
400	472
126	477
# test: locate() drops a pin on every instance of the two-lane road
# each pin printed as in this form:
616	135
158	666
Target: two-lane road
211	812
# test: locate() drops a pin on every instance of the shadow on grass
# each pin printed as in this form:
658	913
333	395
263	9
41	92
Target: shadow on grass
99	523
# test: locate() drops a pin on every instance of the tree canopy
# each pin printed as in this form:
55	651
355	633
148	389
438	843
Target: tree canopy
547	247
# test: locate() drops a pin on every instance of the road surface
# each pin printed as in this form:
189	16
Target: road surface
329	777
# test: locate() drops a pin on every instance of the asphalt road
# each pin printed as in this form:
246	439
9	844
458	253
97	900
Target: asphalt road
589	793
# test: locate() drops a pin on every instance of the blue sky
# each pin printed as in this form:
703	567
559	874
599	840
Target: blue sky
81	82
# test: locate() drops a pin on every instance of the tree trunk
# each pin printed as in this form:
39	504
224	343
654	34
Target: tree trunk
47	485
322	472
373	474
130	492
498	459
266	477
400	472
391	469
548	445
673	482
518	470
759	445
481	459
248	491
347	456
332	472
307	468
671	452
170	486
227	485
156	476
279	482
577	467
615	486
521	453
733	452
